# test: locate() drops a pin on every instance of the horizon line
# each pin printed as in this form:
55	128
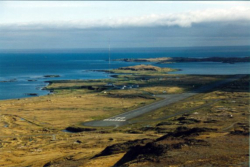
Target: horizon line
116	48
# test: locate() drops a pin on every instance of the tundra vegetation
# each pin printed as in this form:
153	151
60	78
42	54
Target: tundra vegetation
212	131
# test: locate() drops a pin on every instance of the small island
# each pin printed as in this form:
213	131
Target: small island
11	80
51	76
32	94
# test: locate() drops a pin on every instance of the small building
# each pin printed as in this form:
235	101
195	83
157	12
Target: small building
110	85
124	87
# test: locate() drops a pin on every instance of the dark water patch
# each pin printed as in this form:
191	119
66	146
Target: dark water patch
31	94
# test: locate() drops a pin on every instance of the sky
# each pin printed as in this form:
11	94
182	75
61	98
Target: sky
98	24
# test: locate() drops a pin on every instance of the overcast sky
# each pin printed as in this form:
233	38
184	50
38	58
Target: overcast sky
79	24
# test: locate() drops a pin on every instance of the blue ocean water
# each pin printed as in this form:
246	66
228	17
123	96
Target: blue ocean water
26	68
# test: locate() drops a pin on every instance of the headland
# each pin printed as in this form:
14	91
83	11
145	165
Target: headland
207	128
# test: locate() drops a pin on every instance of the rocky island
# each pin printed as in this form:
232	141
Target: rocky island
51	76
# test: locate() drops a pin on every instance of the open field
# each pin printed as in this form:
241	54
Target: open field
213	131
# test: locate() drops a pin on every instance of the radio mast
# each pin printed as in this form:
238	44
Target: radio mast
109	57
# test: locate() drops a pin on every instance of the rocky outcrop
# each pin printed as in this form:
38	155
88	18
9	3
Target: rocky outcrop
78	129
149	152
241	129
11	80
51	76
183	132
123	147
31	94
141	68
185	120
152	150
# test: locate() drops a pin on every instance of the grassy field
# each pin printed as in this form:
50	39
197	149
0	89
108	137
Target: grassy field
31	133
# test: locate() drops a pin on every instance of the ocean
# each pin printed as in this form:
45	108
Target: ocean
22	71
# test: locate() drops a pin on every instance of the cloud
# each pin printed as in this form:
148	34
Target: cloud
186	19
206	34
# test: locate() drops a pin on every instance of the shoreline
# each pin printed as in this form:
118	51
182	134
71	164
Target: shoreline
167	60
114	75
202	121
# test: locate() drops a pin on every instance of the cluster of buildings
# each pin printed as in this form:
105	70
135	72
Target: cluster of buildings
121	86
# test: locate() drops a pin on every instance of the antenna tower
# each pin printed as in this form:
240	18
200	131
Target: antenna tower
109	57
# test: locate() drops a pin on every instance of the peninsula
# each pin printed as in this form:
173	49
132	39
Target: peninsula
142	117
163	60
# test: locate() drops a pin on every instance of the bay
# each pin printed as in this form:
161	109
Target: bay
22	71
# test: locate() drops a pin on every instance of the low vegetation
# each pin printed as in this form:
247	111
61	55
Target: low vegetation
208	129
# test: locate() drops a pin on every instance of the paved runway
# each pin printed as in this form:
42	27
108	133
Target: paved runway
122	119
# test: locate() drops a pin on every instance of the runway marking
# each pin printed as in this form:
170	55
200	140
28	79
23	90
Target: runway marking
116	119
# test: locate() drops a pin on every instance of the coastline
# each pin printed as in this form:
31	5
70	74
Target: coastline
201	120
116	73
37	81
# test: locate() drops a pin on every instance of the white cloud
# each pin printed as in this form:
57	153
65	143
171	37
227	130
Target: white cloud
185	19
